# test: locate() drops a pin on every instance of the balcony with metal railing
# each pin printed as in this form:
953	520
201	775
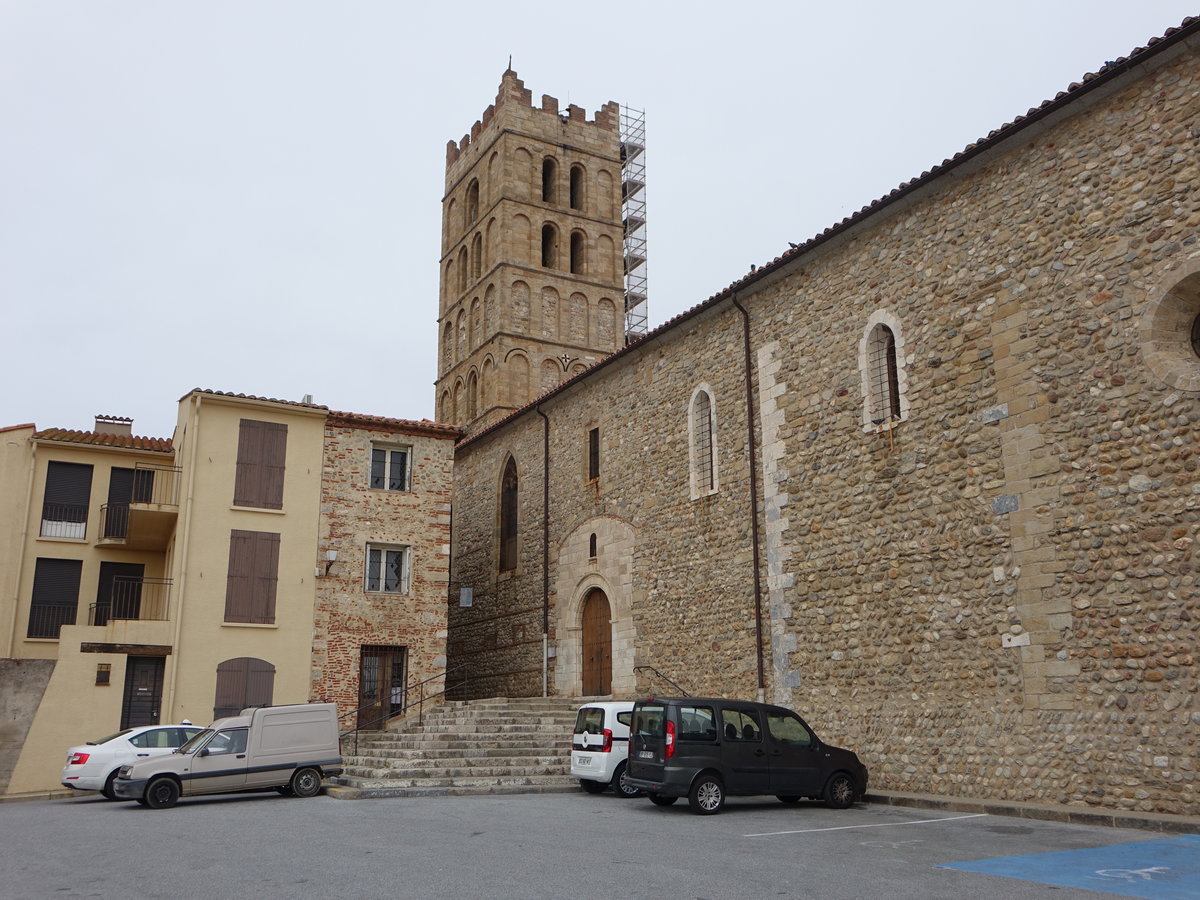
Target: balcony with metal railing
147	520
134	599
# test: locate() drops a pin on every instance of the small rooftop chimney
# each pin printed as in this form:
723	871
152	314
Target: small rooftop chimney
114	425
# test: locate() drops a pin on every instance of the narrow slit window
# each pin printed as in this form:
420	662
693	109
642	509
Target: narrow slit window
702	443
593	454
884	376
508	517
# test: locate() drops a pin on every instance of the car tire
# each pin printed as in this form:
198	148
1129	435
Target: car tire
707	795
107	790
592	787
839	791
619	787
787	798
162	793
660	800
306	783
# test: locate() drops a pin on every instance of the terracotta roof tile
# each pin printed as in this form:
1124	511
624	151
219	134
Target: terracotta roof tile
212	393
383	423
124	441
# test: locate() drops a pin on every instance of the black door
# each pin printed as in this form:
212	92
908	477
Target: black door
119	595
381	683
143	691
744	752
794	756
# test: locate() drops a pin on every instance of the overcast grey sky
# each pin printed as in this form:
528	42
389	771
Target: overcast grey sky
245	195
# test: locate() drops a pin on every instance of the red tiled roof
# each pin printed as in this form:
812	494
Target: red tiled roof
124	441
382	423
1092	80
212	393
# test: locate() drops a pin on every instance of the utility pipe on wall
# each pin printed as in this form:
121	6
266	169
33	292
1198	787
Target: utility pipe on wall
758	623
545	552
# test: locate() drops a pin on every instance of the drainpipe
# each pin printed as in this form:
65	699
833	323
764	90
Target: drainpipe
545	551
754	540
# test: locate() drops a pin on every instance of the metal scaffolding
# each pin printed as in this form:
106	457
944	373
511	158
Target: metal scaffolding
633	214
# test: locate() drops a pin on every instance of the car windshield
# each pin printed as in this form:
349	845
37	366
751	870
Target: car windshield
197	739
107	738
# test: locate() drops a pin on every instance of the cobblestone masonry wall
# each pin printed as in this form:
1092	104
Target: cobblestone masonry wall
996	597
353	515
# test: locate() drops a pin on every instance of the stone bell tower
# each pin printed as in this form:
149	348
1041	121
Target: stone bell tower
532	260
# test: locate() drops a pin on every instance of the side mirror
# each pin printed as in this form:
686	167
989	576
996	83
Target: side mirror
204	752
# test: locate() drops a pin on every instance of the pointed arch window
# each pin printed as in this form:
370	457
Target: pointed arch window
702	430
508	517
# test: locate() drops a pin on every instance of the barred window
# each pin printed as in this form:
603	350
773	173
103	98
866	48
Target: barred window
702	431
883	375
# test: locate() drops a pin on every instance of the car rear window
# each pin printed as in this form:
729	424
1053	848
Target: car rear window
647	720
589	719
696	723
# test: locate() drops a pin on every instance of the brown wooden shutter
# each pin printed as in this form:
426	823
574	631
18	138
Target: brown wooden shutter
262	453
253	577
242	683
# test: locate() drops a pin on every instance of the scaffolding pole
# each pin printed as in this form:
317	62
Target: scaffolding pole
633	215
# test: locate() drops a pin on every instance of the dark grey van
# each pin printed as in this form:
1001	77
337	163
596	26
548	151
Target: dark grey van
706	749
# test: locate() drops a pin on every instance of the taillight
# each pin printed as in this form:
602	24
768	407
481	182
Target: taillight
669	748
78	759
606	747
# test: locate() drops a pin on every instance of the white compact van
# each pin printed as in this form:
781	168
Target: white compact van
600	747
284	748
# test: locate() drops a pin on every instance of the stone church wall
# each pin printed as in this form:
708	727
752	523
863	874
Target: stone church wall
992	595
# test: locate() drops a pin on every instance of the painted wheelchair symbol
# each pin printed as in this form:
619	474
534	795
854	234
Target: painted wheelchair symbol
1133	875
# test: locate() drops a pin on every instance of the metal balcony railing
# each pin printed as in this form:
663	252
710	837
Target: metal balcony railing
139	599
64	520
46	619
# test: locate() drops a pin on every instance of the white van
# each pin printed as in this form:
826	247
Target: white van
284	748
600	747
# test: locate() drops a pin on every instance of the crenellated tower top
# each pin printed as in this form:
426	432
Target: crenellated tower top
513	93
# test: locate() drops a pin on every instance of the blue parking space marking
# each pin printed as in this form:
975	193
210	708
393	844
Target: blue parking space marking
1165	869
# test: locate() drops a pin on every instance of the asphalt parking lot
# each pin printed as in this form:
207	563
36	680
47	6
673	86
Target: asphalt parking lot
569	845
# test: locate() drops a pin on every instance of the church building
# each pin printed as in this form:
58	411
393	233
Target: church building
929	477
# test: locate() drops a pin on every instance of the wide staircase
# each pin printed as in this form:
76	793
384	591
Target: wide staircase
497	746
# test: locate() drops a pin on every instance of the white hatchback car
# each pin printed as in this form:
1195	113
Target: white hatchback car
94	766
600	747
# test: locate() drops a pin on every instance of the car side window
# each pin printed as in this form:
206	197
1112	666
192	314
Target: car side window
148	739
697	723
741	725
227	742
625	718
788	729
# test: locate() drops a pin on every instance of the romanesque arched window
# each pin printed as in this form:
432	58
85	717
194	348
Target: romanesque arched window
881	362
577	183
549	246
472	201
477	257
702	433
578	253
508	517
549	179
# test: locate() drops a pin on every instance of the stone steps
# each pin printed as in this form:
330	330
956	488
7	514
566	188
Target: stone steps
494	746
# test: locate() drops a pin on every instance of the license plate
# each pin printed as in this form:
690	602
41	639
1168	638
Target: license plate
583	760
646	754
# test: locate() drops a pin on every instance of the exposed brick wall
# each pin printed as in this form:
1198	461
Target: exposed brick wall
994	597
353	515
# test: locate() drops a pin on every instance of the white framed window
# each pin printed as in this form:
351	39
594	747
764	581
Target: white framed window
387	568
702	442
884	381
391	467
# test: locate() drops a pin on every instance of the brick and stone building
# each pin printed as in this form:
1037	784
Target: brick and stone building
930	476
532	268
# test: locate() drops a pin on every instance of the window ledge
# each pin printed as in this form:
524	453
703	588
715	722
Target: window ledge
257	509
249	625
62	540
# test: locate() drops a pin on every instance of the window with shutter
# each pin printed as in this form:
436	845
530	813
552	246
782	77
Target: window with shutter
262	452
65	502
252	578
55	596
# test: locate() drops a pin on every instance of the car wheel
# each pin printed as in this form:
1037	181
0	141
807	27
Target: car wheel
619	786
162	793
839	791
107	790
592	787
306	783
660	800
707	795
787	798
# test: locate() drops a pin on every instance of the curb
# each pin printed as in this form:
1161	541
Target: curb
1144	821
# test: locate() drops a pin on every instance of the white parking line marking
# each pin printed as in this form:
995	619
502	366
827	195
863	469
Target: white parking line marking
880	825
